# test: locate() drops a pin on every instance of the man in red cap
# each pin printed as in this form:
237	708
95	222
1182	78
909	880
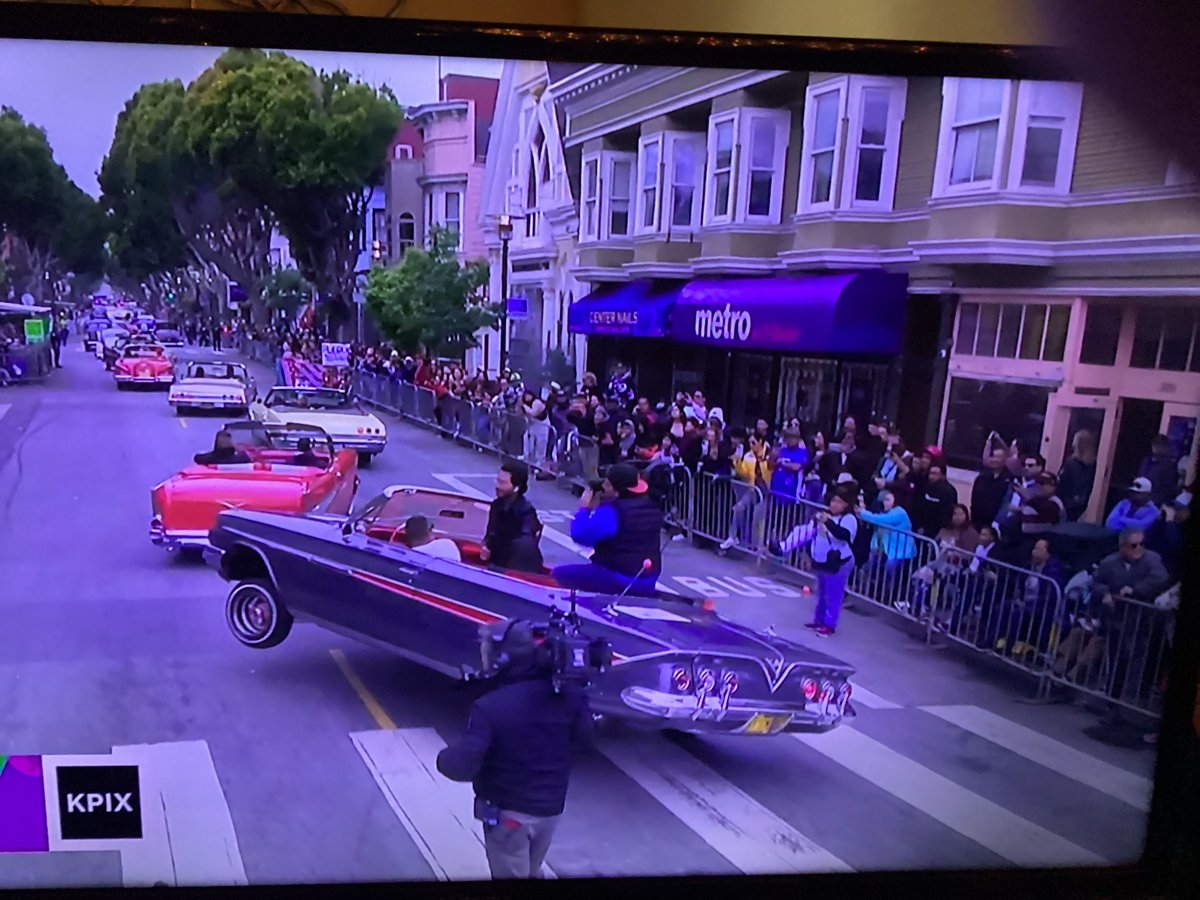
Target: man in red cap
624	525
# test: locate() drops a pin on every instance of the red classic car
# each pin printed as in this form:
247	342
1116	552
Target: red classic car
143	363
276	468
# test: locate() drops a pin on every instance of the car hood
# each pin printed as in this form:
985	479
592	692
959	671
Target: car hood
331	423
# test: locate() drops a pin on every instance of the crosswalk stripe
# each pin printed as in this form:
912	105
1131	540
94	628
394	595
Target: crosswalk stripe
4	408
1056	756
187	802
742	830
974	817
437	813
860	696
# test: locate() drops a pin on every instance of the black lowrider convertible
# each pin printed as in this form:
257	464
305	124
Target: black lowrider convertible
676	665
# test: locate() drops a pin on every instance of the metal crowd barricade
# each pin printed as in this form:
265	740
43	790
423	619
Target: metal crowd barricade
902	571
724	507
1117	651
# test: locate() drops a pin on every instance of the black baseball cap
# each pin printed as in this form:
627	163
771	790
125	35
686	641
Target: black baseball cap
625	478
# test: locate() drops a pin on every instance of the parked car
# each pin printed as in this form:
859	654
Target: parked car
142	363
677	666
185	506
169	336
213	384
110	343
331	409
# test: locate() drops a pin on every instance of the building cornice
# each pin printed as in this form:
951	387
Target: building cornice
1047	200
1002	251
718	265
846	258
599	274
876	216
432	180
714	88
586	81
434	111
658	270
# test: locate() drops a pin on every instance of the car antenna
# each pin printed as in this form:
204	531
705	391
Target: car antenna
647	565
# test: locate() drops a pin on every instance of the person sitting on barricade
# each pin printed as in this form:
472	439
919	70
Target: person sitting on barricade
624	525
957	542
752	482
1027	622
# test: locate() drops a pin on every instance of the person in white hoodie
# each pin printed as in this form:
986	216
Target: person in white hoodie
829	537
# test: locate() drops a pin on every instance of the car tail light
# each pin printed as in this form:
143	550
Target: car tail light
844	693
706	681
730	681
810	688
360	430
682	680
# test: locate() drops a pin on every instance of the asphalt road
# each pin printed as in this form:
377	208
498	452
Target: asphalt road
311	762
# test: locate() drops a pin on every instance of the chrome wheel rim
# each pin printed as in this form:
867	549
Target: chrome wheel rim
252	613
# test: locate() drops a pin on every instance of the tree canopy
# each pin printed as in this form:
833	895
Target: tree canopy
429	300
48	226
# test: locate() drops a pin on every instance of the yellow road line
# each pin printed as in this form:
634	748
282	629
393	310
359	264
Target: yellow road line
382	719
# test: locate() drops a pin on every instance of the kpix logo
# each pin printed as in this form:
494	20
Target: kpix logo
98	802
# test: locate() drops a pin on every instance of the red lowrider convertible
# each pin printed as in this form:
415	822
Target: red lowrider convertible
186	505
143	363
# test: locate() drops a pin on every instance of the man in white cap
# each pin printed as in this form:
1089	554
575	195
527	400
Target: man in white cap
1136	510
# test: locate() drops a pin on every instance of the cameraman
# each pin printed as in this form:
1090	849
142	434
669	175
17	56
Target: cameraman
517	750
624	524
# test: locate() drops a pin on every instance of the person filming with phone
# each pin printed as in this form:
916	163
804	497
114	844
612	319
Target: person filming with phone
624	524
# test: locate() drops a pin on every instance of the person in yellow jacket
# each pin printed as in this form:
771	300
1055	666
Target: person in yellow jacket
751	469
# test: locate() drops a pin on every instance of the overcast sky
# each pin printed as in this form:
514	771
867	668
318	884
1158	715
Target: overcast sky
75	90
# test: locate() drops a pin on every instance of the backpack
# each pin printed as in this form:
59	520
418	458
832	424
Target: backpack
861	545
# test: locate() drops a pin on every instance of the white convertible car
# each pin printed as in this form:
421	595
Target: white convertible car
213	385
334	411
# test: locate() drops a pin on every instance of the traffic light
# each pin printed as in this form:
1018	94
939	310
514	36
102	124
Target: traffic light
170	298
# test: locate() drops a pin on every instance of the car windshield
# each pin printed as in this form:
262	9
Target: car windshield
255	435
450	516
318	399
142	351
214	370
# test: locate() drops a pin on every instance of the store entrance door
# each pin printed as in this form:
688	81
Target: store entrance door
1138	422
750	389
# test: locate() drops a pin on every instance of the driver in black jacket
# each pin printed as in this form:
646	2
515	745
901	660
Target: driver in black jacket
517	751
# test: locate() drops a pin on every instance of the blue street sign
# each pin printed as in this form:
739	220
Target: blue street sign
518	307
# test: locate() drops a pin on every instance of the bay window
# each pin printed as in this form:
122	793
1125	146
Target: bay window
685	154
1047	126
851	145
453	217
747	151
974	128
607	193
649	183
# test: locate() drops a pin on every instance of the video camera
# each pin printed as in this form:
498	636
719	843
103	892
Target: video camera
560	648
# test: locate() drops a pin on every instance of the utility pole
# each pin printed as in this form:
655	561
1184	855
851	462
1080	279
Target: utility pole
505	230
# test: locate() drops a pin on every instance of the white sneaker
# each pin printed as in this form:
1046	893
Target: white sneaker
679	537
728	543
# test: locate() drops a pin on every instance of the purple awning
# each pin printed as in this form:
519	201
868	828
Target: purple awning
632	309
859	312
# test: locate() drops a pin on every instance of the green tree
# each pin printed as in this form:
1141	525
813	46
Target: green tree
308	146
429	300
287	290
48	226
170	204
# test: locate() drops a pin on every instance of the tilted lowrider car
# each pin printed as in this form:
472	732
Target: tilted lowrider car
677	666
213	385
145	364
186	505
333	410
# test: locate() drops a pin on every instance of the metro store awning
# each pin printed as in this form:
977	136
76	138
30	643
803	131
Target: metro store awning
859	313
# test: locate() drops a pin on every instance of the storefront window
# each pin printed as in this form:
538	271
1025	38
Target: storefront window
1056	334
1101	332
1163	338
977	408
1033	332
1013	330
1010	330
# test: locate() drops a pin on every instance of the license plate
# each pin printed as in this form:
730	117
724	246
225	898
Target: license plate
763	724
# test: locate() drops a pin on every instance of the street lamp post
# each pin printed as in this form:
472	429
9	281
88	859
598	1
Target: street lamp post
505	230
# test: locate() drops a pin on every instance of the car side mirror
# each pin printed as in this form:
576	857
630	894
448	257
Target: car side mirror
347	529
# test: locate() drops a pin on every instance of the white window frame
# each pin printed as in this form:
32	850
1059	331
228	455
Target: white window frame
403	151
667	218
1072	97
403	244
608	178
458	232
782	120
590	231
711	216
849	143
815	92
650	181
945	151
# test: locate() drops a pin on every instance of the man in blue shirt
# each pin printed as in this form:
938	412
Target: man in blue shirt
624	525
1136	511
789	462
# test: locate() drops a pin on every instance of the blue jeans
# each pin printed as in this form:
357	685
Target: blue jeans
831	589
591	577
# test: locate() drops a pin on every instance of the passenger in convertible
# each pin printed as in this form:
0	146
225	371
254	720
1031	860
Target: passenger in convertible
624	525
222	453
306	457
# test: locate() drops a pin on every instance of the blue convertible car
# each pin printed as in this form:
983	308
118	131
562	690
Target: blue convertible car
675	665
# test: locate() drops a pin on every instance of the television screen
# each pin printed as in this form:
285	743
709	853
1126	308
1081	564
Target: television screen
564	469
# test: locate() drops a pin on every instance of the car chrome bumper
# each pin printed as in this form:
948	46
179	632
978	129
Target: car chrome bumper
208	404
178	539
682	712
362	444
144	379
